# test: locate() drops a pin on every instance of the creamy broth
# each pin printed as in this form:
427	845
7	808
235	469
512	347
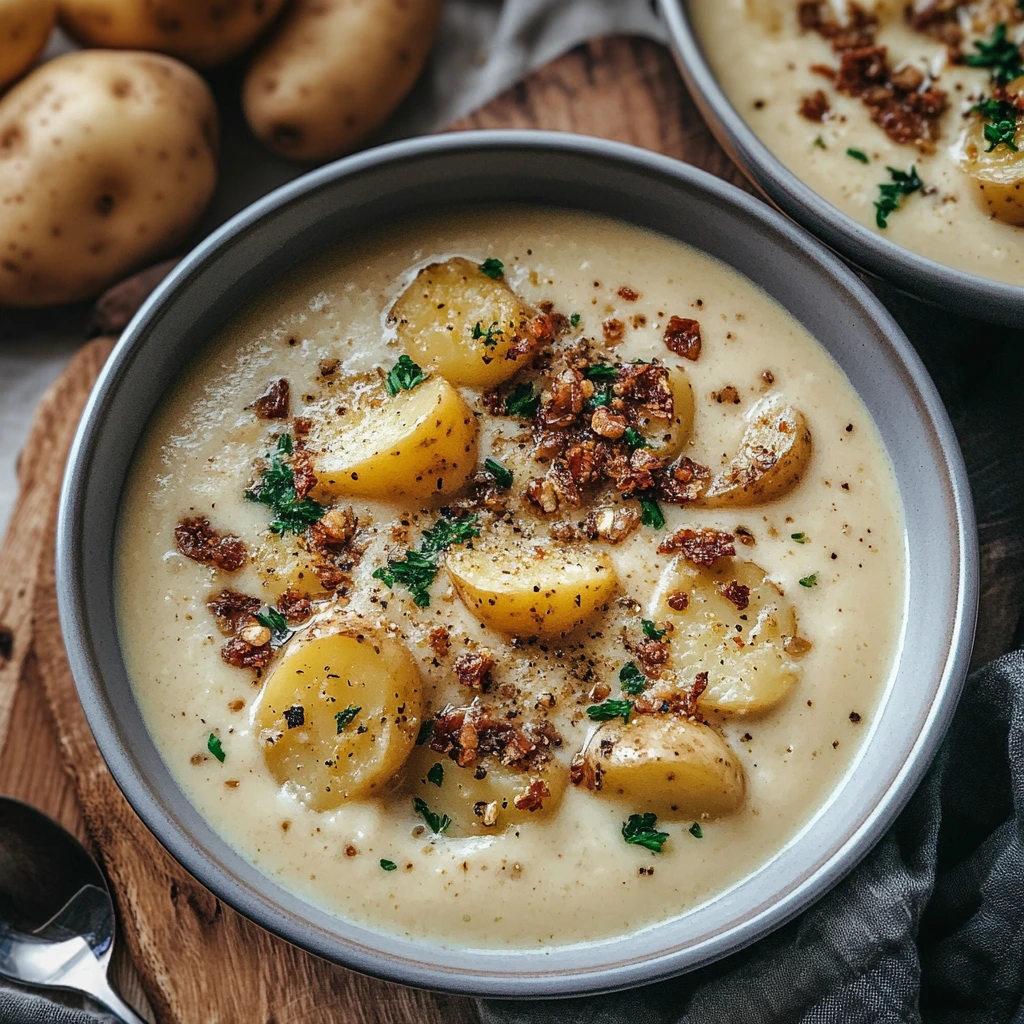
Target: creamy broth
764	62
569	876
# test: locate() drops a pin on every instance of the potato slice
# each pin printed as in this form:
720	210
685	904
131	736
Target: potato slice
343	664
669	437
529	589
460	323
743	650
771	460
673	766
483	805
418	444
998	175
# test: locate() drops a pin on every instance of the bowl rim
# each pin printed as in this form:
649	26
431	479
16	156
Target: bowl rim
908	271
492	978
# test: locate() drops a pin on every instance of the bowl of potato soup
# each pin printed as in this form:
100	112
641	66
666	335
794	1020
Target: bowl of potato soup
892	131
516	564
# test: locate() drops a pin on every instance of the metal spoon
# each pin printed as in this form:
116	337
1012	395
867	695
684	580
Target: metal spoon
56	915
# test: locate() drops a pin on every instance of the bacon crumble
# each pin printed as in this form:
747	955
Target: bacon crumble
737	593
274	403
195	538
532	798
440	641
682	336
466	734
473	668
703	547
233	610
815	107
295	607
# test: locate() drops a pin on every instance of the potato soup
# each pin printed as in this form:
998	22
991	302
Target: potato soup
513	577
907	117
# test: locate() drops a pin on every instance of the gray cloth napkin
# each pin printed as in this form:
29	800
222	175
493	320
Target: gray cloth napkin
930	927
20	1006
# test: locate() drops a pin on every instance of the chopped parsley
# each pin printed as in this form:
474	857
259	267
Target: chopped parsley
345	717
426	732
810	581
858	154
1000	55
493	268
696	831
651	514
574	320
610	709
523	402
601	396
602	372
635	439
276	623
651	630
502	475
632	679
820	142
641	830
276	490
403	376
490	336
388	865
436	774
1001	129
417	571
800	538
438	823
903	184
213	745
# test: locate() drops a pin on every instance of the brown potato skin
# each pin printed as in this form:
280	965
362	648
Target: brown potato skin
107	161
25	26
202	32
333	72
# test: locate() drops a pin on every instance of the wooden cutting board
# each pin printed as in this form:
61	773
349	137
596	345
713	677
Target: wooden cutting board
193	959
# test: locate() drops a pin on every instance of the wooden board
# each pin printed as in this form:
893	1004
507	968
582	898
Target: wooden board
191	957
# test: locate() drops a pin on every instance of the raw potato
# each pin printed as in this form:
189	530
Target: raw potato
461	793
420	444
334	71
999	175
25	26
437	316
705	636
347	662
107	160
673	766
531	589
202	32
771	460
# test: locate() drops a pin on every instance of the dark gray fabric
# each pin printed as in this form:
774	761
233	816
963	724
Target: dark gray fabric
20	1006
929	928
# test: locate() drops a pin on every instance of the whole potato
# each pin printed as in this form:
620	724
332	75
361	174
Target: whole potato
203	32
25	25
333	72
107	159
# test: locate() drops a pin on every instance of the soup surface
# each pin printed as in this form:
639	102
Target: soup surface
518	576
907	117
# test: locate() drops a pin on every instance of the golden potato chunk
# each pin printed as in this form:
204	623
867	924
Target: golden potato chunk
997	172
771	460
668	437
733	623
416	444
462	324
488	797
340	713
25	26
529	589
673	766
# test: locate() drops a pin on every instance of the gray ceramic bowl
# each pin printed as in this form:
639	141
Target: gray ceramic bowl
273	235
961	292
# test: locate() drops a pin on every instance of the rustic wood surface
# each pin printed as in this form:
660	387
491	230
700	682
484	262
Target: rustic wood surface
195	960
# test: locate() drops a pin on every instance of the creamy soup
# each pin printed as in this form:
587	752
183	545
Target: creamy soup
853	98
587	579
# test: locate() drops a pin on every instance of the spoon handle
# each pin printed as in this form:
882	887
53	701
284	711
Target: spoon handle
100	990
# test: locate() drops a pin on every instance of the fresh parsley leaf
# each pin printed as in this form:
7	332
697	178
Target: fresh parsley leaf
403	376
438	823
276	623
1002	127
601	396
522	402
610	709
276	490
436	774
285	445
388	865
635	439
1000	55
651	631
574	320
213	745
345	717
820	142
696	831
891	193
445	532
602	372
502	475
426	732
651	514
641	830
490	336
810	581
858	155
632	679
493	268
800	538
